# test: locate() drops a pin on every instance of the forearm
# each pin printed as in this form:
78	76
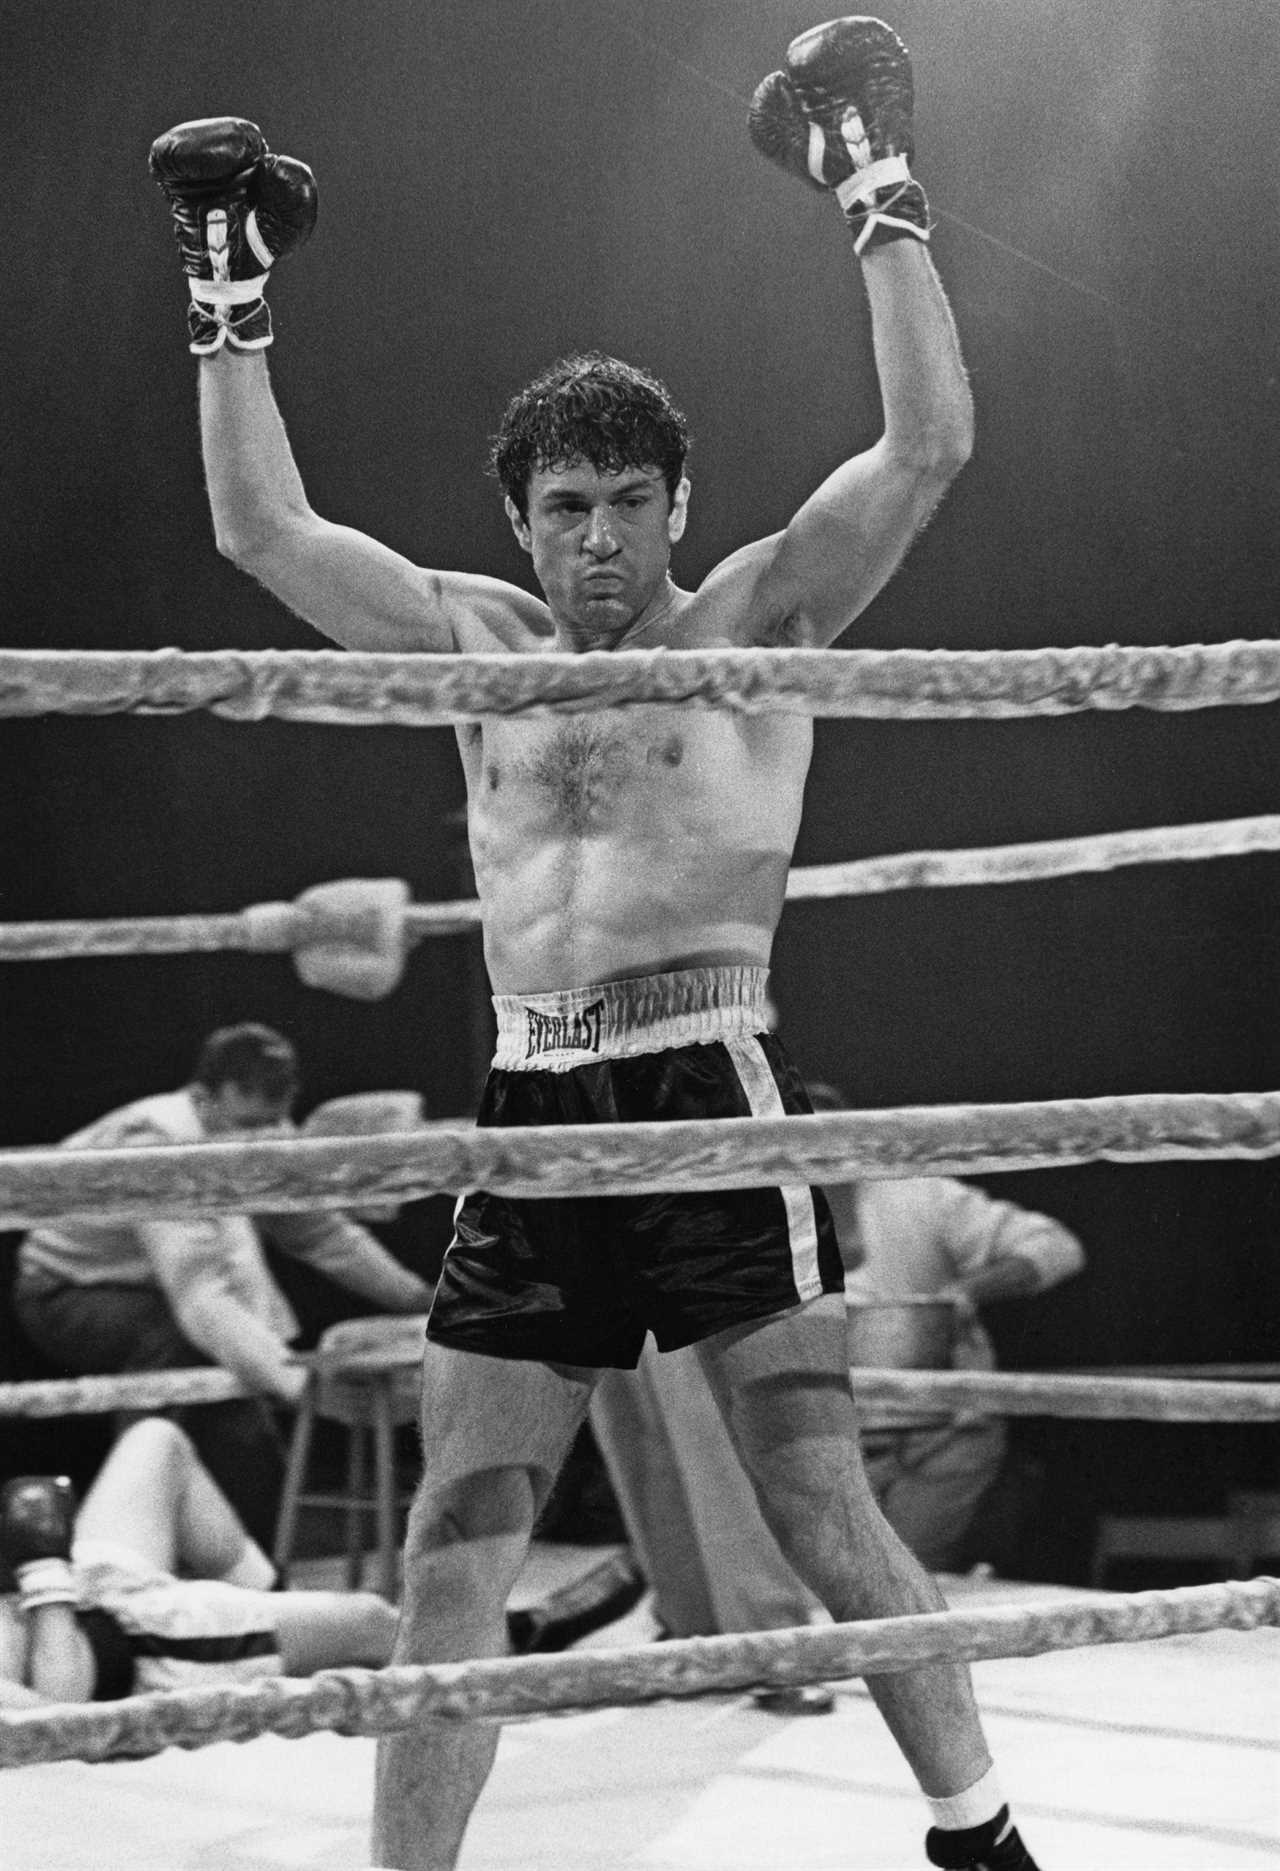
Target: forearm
1015	1277
924	388
351	1256
229	1334
59	1658
255	489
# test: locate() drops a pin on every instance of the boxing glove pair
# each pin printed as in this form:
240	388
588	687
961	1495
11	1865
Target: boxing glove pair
839	117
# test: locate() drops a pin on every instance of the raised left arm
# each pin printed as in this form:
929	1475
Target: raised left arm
839	117
852	533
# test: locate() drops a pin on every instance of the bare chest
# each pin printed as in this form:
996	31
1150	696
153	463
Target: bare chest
588	771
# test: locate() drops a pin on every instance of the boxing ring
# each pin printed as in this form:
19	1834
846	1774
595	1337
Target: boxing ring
1134	1730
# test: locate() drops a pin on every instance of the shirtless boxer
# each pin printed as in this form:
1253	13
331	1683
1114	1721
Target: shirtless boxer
631	870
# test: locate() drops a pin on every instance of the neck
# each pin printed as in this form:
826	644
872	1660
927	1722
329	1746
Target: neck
579	637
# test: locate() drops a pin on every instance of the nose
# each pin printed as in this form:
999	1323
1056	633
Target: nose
599	538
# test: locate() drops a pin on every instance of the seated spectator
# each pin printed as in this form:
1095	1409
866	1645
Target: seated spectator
164	1293
691	1516
933	1237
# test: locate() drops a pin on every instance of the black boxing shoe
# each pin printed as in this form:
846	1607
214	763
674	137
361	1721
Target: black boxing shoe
995	1846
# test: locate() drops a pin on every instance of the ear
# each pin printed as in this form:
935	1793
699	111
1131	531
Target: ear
519	525
678	517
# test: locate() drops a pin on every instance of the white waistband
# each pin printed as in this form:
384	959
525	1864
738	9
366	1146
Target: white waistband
620	1019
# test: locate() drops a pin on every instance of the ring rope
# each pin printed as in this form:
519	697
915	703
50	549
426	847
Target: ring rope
370	1702
278	928
993	1393
299	1174
1070	1395
362	689
37	1398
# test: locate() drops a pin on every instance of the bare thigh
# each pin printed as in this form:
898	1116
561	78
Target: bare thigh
135	1496
483	1414
782	1385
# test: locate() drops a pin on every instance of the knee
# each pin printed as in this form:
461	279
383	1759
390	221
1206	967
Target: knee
496	1504
159	1441
464	1547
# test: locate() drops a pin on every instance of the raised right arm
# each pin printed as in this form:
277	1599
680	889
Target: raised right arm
237	209
349	586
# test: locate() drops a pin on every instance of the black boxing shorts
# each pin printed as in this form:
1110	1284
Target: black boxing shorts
580	1280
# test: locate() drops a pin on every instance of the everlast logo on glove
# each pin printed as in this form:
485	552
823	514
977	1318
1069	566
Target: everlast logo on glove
564	1032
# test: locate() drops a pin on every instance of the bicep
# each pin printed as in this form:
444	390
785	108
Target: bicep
842	547
366	596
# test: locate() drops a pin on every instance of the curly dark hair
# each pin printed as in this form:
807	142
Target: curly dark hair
589	407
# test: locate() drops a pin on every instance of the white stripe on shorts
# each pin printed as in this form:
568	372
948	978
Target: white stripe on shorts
765	1100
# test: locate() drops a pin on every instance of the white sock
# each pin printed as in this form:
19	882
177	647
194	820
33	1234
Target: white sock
976	1806
253	1570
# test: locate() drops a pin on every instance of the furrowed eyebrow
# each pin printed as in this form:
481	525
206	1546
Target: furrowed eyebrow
572	497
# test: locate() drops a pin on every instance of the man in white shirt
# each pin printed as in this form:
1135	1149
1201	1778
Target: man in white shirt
170	1292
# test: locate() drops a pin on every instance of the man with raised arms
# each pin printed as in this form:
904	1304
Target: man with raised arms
631	869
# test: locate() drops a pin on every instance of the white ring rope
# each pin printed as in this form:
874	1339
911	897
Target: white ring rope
256	932
298	1174
1035	862
360	689
995	1393
38	1398
369	1702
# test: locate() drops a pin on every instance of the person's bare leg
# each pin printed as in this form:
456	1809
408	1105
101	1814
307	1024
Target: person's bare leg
325	1630
135	1497
154	1495
495	1433
783	1386
211	1539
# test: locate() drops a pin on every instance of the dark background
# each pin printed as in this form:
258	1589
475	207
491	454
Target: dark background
500	183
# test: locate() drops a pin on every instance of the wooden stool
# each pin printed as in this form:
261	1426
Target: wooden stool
367	1375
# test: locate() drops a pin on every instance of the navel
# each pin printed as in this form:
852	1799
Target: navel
667	753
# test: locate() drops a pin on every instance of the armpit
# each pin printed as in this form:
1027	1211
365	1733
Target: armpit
790	631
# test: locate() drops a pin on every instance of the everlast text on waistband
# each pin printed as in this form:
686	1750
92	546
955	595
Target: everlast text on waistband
578	1031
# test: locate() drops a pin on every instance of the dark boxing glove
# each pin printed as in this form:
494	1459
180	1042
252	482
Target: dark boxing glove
237	209
839	117
37	1519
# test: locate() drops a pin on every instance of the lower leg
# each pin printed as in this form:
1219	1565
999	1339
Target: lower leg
462	1558
495	1433
850	1556
326	1630
783	1388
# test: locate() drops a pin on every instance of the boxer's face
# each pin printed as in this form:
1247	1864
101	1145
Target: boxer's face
233	1109
600	544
